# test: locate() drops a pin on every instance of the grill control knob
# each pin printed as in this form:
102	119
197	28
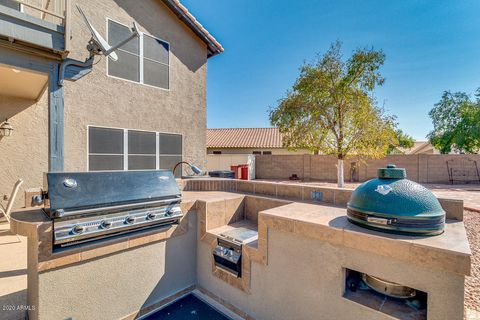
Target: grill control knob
129	220
151	216
59	213
106	224
78	229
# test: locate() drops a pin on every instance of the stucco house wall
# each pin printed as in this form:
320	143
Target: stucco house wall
100	100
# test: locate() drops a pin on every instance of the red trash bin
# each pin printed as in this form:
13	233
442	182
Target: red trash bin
244	171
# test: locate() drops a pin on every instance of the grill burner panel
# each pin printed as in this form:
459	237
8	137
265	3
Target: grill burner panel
228	252
88	206
76	229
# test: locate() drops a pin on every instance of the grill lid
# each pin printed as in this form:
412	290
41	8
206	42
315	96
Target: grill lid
395	204
82	190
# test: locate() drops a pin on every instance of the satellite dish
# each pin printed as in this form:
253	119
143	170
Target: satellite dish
98	45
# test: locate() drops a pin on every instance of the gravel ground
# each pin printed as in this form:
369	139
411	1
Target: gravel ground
472	288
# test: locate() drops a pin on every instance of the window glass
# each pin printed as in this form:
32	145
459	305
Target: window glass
267	152
217	152
148	65
257	152
155	49
170	144
141	142
105	140
107	150
105	162
117	33
126	67
136	162
155	74
170	147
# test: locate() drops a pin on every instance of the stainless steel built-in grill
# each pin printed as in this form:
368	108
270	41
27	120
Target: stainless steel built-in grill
228	252
88	206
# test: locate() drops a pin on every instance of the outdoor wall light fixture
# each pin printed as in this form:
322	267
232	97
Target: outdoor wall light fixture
6	129
195	169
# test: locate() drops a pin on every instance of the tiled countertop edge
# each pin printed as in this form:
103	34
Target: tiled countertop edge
449	251
418	251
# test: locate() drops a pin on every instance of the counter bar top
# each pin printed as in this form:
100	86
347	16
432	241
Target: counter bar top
449	251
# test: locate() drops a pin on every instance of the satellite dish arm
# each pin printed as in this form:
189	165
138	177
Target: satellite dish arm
73	70
98	45
134	34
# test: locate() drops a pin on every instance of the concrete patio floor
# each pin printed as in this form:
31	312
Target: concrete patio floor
13	274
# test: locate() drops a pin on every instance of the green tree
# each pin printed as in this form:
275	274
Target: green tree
456	123
403	141
331	108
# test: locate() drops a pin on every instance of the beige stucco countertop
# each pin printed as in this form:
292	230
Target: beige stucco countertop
449	251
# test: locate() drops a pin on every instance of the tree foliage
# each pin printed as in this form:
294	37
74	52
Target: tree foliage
403	141
331	107
456	123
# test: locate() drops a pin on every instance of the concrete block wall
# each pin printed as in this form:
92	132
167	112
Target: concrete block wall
420	168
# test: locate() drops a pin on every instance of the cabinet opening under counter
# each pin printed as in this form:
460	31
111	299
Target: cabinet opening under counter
396	300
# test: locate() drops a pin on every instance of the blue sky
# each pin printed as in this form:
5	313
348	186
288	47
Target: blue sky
430	46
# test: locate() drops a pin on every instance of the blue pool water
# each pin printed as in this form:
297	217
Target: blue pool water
187	308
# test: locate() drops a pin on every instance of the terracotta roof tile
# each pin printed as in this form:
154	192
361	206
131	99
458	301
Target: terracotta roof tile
244	138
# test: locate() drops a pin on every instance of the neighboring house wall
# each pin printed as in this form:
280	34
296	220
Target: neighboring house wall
426	148
420	147
251	150
100	100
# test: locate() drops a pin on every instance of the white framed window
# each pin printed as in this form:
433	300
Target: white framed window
128	149
144	60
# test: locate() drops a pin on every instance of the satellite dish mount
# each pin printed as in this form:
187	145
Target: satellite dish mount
97	45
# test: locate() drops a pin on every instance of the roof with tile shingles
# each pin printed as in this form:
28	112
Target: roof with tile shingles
244	138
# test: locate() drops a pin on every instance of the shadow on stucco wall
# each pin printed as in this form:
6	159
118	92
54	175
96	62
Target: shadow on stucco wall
10	106
160	22
24	154
179	264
